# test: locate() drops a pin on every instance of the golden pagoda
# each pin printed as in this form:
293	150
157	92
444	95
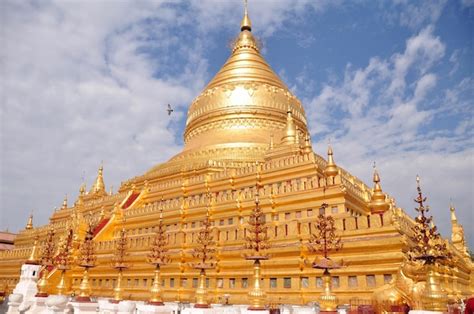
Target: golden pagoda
245	118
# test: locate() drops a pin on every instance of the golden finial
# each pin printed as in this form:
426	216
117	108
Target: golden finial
378	202
99	187
64	202
331	168
29	224
454	219
246	24
376	178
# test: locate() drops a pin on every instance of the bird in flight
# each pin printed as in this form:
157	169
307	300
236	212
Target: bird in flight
170	110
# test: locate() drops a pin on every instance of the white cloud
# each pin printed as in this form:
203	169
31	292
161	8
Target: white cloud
415	14
89	81
381	113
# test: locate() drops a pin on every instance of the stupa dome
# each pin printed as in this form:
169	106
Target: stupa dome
240	109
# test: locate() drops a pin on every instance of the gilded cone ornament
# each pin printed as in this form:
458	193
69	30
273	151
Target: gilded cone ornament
431	250
87	260
257	243
158	256
325	241
47	261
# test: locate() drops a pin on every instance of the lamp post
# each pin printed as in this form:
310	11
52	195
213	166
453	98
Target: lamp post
119	263
158	256
429	248
87	260
47	261
257	242
325	241
64	259
204	252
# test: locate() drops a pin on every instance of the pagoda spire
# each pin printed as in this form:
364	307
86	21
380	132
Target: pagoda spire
29	224
331	169
246	24
99	187
378	203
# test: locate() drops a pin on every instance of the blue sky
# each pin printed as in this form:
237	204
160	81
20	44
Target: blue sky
88	81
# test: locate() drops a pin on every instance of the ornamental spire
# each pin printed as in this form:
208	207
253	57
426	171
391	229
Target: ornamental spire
246	24
331	168
454	219
33	258
64	206
378	203
307	149
99	187
29	224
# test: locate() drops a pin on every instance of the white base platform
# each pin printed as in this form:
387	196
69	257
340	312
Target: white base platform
424	312
14	301
38	306
85	307
154	309
57	304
